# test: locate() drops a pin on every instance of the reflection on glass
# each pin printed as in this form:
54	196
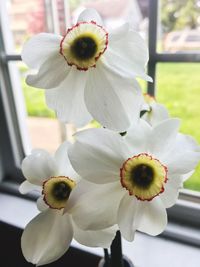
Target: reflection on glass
180	26
178	90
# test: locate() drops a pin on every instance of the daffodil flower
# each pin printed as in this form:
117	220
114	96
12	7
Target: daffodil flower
143	172
48	236
89	72
154	112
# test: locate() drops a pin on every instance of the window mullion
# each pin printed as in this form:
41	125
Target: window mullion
10	137
152	39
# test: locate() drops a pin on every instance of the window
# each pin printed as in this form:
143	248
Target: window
173	73
172	60
186	211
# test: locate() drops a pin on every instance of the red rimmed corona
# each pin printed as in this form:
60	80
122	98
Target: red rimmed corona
83	44
56	191
143	176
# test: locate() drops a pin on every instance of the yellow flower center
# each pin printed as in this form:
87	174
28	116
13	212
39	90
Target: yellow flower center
83	45
143	176
56	191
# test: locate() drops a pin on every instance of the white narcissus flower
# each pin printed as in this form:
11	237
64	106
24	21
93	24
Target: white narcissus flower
48	236
90	72
143	172
153	111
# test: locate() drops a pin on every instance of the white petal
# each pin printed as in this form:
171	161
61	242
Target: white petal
145	107
98	155
171	192
186	143
128	216
51	73
183	157
102	238
157	114
39	166
63	163
118	32
27	187
128	56
163	137
106	139
182	162
39	48
41	205
47	237
136	138
68	99
97	209
90	14
153	217
81	188
113	101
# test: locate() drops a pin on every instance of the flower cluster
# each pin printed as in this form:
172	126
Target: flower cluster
105	181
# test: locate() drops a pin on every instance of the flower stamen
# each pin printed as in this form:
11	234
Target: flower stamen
143	176
56	191
84	47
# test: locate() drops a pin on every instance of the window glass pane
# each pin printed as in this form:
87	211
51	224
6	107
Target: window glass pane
28	18
42	128
116	12
178	89
180	26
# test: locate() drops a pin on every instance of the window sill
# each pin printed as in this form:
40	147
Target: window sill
18	212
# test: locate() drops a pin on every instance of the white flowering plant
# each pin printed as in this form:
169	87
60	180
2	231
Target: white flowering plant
105	182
